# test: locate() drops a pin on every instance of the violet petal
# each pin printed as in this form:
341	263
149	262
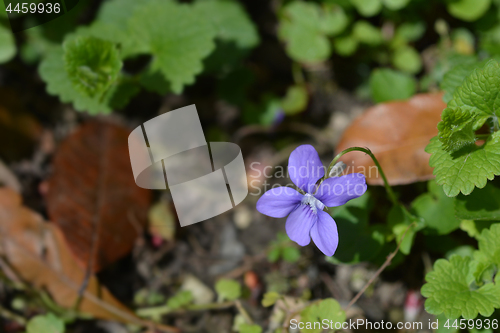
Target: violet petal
324	234
279	201
305	167
299	224
337	191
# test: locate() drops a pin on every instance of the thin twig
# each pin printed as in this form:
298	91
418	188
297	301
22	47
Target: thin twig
243	312
380	270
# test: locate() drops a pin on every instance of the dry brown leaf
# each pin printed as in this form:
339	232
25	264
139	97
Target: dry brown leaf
397	133
92	195
38	253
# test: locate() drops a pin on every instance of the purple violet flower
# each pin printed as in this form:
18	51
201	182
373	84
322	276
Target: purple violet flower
306	218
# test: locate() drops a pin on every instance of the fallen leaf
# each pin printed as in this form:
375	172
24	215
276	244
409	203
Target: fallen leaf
396	133
38	253
92	195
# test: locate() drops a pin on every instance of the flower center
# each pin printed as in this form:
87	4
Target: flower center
312	202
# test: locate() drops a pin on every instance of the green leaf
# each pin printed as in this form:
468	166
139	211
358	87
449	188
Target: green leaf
456	130
45	323
290	254
407	59
447	290
366	33
334	20
179	300
479	93
468	10
481	204
401	224
471	167
92	64
177	36
396	4
456	76
228	289
360	241
436	209
230	21
367	7
295	100
410	31
489	248
58	83
7	44
274	254
247	328
270	298
345	46
300	27
327	309
387	85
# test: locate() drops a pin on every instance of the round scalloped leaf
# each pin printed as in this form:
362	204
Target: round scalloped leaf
231	22
468	10
396	4
367	7
7	45
448	290
92	64
178	37
463	170
388	85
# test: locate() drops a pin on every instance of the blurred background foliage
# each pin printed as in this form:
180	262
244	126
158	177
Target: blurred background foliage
268	75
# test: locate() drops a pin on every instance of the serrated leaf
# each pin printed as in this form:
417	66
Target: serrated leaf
7	44
295	100
407	59
327	309
436	209
92	64
228	289
366	33
468	10
387	85
470	167
396	4
447	290
58	83
456	130
270	298
479	93
487	258
230	21
367	7
455	76
45	323
179	300
177	36
481	204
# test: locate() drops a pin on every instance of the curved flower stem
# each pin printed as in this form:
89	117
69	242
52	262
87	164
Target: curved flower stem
367	151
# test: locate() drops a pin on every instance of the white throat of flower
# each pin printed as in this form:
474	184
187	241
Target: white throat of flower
312	202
